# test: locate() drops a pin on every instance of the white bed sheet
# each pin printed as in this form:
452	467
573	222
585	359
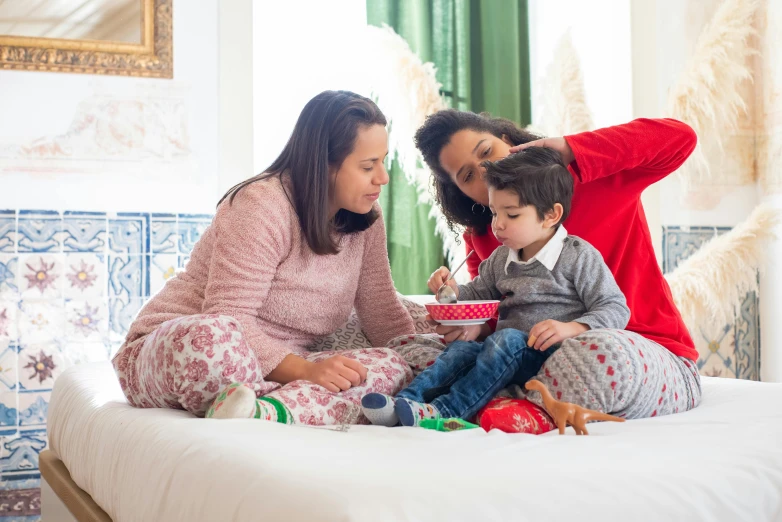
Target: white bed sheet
721	462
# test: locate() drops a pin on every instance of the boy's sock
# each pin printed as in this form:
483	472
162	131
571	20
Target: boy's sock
411	413
238	401
379	409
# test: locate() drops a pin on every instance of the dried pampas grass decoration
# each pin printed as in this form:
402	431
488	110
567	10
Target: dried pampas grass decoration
707	97
564	106
709	285
407	91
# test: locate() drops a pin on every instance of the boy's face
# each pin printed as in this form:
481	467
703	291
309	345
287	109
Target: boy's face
514	226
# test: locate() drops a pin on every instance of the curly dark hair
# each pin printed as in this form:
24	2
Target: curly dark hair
436	133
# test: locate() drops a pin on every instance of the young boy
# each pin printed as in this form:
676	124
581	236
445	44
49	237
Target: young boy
555	287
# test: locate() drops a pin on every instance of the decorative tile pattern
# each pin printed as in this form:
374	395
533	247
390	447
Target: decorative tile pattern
190	227
20	505
162	268
84	231
33	408
9	276
9	361
128	276
9	311
85	276
129	233
9	409
121	315
41	275
70	286
41	321
21	453
733	350
164	231
86	321
39	366
7	231
39	231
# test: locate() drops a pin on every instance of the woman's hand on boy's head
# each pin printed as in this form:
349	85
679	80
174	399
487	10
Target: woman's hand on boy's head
547	333
558	144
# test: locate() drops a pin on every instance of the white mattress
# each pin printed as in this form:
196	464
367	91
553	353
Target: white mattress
722	462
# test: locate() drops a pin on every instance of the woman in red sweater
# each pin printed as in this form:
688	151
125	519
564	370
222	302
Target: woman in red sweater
611	167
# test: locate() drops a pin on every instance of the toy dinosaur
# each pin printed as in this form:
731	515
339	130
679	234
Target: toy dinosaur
565	413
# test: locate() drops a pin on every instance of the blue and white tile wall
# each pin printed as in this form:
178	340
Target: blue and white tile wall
70	285
734	349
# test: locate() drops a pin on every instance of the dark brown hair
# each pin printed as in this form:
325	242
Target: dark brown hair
436	133
537	175
323	137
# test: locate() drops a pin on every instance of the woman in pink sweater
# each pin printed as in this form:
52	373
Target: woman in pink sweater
290	252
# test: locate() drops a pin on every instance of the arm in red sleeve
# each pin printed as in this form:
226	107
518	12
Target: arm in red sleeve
474	261
644	151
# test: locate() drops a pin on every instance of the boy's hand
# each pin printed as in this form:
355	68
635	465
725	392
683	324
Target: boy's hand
439	277
558	144
459	333
549	332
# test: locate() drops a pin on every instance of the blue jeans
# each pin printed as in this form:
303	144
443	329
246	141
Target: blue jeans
468	375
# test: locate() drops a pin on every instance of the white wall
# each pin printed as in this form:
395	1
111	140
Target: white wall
236	92
107	143
601	34
295	56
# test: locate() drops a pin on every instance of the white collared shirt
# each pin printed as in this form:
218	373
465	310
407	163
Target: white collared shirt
548	255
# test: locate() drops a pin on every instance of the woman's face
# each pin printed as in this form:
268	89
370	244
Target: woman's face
461	158
355	185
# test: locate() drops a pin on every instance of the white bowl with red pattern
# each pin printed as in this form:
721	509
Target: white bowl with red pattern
462	313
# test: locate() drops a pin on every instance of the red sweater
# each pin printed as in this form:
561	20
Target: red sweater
612	167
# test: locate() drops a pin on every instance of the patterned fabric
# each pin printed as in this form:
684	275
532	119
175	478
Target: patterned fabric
619	372
419	351
411	413
314	405
186	362
614	371
350	336
514	416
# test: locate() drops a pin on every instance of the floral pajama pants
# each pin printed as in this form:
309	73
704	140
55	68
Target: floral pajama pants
186	362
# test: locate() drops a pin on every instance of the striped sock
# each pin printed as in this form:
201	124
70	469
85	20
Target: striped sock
238	401
411	413
379	409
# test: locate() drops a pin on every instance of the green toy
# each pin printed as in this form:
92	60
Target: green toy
450	424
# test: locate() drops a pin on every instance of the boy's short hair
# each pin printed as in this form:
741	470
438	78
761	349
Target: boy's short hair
537	175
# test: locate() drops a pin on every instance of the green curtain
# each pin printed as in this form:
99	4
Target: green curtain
481	51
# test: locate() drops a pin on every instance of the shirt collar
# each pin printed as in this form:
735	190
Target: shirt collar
547	256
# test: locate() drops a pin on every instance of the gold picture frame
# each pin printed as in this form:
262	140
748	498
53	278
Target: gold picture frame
153	58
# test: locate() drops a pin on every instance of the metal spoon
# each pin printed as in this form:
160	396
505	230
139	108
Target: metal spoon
446	294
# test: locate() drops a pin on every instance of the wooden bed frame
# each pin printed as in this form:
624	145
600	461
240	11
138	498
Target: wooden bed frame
61	499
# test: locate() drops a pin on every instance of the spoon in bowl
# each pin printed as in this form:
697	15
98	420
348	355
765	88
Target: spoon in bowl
446	294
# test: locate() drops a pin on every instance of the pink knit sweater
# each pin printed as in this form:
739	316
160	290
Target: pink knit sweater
254	265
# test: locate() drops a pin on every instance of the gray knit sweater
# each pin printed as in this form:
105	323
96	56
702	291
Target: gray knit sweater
580	288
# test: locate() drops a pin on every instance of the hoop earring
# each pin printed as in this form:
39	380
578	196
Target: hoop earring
483	209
